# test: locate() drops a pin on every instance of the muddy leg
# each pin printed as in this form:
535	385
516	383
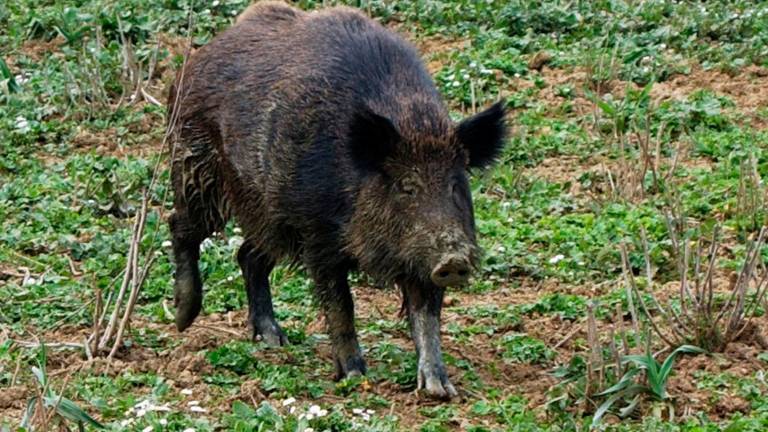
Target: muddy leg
336	301
423	304
188	287
261	316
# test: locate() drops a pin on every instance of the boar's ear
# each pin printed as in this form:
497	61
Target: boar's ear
483	135
372	139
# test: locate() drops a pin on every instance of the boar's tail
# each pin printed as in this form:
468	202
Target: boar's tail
271	10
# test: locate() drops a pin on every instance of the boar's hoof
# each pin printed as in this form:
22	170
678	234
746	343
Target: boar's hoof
270	333
353	366
187	309
436	386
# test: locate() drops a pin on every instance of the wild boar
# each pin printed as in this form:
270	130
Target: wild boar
326	139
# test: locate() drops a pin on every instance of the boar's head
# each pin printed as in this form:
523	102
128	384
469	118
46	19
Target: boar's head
413	217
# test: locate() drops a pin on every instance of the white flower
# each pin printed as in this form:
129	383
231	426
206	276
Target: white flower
147	429
21	79
166	244
473	65
237	230
215	3
30	281
456	84
357	411
230	278
501	249
188	430
205	244
186	392
141	412
309	429
235	241
193	403
318	412
486	71
163	422
289	401
556	259
465	76
22	124
370	411
197	409
517	75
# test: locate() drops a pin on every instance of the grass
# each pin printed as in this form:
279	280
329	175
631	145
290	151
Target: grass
76	150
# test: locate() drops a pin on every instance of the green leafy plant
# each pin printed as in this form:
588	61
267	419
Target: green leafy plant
655	376
37	416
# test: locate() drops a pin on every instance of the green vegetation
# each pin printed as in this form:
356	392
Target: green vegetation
627	118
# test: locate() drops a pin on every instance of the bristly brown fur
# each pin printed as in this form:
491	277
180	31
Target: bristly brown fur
324	136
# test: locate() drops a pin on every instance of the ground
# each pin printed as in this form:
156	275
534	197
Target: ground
627	120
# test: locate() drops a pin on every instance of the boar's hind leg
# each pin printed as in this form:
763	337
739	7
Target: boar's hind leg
188	287
261	316
199	210
336	301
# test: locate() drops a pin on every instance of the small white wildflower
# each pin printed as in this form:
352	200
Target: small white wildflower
292	410
456	84
465	76
30	281
357	411
235	241
517	75
314	409
501	249
164	407
188	430
486	71
186	392
370	411
663	46
206	11
197	409
289	401
163	422
193	403
20	79
205	244
22	124
141	412
215	3
230	278
166	244
309	429
473	65
237	230
556	259
147	429
126	422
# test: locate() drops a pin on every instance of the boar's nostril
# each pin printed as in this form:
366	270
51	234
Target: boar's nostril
453	270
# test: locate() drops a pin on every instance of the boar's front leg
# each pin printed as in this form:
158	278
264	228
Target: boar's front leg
423	304
256	267
336	301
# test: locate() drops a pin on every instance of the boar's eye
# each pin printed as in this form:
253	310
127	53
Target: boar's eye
408	188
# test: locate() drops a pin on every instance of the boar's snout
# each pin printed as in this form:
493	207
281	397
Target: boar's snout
452	270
